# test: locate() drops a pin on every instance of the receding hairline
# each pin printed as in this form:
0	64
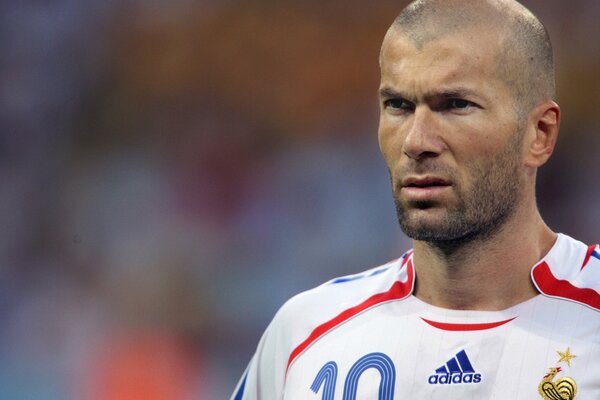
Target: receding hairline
452	15
524	61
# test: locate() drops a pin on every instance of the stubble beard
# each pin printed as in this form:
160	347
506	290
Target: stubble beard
478	213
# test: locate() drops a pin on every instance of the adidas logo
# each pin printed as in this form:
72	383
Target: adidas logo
457	370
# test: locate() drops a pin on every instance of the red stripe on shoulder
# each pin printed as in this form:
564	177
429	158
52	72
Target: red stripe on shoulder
398	290
407	257
466	327
549	285
588	255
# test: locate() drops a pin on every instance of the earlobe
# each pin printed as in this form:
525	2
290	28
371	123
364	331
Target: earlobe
544	124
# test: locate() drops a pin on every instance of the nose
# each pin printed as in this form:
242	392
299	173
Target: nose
423	139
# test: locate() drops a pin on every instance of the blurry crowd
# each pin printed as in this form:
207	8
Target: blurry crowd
172	171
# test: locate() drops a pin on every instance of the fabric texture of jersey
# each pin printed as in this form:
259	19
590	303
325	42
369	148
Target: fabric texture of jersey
366	336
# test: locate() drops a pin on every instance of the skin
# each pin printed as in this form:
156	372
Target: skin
446	121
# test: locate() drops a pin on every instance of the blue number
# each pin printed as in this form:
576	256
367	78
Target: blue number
381	363
327	375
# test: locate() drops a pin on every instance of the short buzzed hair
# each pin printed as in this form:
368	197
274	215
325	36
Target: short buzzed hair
525	62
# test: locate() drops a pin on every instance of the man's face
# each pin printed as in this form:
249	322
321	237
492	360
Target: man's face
449	134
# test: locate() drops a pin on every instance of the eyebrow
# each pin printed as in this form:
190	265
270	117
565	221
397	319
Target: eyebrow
388	93
460	92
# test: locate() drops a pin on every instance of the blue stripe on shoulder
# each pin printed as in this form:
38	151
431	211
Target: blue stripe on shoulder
350	278
379	271
240	392
347	279
596	254
360	276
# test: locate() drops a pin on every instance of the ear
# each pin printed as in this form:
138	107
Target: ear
542	132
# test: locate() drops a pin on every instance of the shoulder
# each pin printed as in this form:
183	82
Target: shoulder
571	271
372	286
308	316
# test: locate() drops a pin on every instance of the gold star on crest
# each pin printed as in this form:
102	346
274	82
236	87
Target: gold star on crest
566	356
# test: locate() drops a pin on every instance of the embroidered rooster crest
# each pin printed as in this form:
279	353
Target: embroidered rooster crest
561	389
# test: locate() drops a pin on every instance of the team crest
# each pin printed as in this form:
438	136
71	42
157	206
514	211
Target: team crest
561	388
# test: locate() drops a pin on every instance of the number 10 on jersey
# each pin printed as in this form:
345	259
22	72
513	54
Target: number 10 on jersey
327	377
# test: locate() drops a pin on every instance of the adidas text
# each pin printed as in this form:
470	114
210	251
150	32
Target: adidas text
456	378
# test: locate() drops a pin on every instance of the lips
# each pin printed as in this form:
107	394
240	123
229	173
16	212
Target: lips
424	182
424	188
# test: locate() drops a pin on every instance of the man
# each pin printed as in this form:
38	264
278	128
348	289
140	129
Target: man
491	303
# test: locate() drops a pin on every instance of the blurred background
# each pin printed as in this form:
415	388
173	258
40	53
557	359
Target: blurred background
173	171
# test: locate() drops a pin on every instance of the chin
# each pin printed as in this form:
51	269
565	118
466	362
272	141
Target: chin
423	227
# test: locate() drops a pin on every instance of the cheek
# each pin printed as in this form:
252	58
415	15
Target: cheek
478	146
384	148
384	144
491	165
390	143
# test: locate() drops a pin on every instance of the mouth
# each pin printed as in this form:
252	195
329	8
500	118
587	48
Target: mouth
424	182
424	188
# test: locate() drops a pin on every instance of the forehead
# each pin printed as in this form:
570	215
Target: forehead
467	59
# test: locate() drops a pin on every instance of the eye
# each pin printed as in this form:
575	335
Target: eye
398	104
459	103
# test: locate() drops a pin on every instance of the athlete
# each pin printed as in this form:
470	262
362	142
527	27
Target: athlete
490	303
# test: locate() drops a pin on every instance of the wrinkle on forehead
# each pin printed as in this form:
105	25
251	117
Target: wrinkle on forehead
455	53
459	65
523	58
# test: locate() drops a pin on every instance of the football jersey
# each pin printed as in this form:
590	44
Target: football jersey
366	336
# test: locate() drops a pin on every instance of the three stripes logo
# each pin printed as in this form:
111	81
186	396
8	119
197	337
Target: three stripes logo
457	370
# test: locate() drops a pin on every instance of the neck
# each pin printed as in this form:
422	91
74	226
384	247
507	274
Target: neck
490	273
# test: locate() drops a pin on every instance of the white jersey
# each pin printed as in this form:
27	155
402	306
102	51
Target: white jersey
366	336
